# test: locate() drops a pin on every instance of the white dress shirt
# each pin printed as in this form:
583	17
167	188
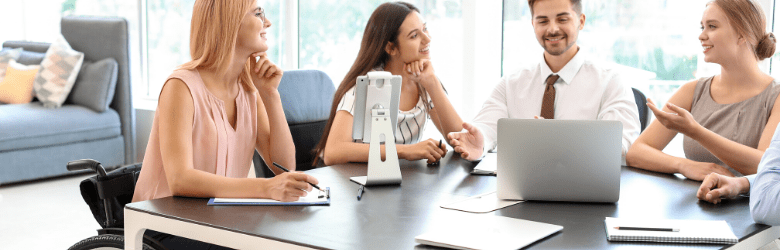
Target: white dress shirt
765	186
584	91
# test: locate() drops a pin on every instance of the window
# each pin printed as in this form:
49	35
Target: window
654	42
168	37
40	21
774	26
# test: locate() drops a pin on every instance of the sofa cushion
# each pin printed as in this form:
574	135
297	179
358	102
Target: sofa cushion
58	73
30	58
95	85
25	126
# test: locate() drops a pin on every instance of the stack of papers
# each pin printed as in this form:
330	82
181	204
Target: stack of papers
683	231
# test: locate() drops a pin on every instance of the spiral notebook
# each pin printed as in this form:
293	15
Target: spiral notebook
685	231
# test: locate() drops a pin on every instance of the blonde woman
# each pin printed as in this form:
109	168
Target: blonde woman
215	110
728	120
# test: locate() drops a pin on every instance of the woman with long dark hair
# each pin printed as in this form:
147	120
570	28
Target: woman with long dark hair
396	39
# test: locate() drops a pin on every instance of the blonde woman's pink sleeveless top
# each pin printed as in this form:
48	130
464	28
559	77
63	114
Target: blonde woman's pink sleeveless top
217	147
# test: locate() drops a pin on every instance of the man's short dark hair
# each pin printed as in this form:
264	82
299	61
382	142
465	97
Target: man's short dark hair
575	4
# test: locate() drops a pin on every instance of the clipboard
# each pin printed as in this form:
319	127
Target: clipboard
312	199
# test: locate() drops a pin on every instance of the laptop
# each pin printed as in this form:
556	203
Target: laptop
559	160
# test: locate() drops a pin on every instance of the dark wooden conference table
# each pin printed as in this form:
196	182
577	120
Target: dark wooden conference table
389	217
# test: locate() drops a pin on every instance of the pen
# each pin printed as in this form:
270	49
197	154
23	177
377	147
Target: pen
437	162
285	170
649	229
360	192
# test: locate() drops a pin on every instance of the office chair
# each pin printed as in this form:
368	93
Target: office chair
641	105
306	99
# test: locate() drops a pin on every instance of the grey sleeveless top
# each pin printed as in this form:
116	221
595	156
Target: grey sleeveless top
742	122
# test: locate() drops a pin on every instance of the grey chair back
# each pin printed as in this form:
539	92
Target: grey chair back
306	98
641	105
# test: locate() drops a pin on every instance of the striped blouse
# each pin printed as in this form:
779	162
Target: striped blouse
411	123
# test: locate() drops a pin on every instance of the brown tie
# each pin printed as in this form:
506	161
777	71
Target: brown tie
548	101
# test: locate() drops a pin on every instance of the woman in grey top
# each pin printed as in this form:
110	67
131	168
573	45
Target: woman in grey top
729	119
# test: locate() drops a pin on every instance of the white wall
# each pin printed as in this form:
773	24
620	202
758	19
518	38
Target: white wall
21	16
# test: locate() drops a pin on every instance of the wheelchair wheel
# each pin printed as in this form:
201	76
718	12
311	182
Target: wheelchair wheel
104	242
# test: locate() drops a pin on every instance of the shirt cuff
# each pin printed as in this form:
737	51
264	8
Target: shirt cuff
751	178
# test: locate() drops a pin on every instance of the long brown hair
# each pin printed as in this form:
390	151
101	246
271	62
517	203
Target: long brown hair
382	28
747	18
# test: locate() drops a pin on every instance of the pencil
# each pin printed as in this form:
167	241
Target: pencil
649	229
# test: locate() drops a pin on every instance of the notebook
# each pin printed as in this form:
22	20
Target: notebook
314	198
689	231
469	231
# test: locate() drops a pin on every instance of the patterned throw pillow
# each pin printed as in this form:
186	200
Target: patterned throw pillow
6	55
59	69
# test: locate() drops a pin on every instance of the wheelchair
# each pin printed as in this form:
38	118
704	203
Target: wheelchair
106	195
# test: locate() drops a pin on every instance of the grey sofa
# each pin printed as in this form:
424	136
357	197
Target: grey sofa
37	142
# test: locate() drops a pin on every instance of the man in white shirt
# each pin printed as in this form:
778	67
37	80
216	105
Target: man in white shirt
578	88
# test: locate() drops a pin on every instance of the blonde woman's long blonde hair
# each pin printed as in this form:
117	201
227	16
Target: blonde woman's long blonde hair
213	34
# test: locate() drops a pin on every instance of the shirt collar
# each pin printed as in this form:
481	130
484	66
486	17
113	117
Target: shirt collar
568	72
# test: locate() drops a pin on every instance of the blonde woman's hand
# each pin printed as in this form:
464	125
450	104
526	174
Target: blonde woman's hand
427	149
680	120
289	186
265	74
421	72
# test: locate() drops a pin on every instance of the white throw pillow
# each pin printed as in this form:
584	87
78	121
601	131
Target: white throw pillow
59	69
6	55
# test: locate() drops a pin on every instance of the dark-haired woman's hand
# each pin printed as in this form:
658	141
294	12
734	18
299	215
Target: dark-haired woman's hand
422	73
265	74
430	149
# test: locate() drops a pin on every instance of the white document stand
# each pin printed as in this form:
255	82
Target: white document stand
383	89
